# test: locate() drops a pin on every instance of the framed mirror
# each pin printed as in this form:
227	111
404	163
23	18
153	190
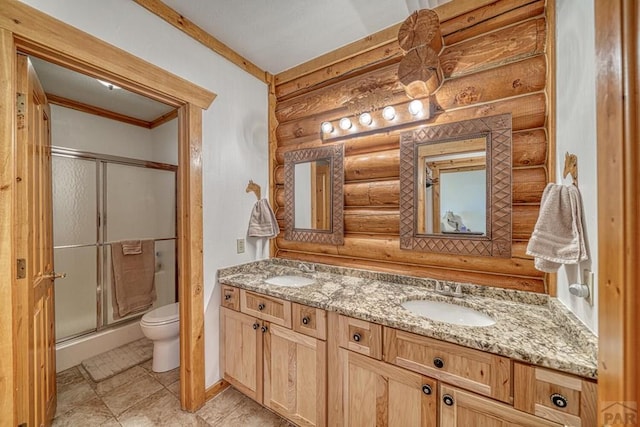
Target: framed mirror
313	187
455	188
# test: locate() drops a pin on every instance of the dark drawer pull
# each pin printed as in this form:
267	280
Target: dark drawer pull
438	363
356	337
264	329
426	389
227	297
448	400
306	320
255	326
559	400
261	306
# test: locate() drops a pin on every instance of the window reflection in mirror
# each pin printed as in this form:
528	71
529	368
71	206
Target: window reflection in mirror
452	187
312	196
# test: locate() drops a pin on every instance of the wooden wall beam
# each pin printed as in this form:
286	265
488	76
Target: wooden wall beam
182	23
69	47
96	111
165	118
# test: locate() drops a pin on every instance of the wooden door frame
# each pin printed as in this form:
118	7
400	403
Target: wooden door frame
25	29
616	25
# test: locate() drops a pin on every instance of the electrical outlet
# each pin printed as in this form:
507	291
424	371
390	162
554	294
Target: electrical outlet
240	246
588	280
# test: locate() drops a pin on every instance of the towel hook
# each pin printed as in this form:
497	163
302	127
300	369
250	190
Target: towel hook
571	167
252	186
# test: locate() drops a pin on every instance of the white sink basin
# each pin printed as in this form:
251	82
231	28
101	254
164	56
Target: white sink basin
449	313
290	281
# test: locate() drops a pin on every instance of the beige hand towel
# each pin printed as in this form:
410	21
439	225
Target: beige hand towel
133	281
558	236
132	247
263	221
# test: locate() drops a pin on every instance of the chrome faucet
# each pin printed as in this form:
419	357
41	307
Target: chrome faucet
311	268
448	289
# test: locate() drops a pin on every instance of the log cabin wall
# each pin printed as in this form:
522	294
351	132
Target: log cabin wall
497	59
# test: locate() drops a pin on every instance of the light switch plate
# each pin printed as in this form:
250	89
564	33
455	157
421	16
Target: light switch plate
588	281
240	246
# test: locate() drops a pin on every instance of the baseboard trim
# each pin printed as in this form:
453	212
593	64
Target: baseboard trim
215	389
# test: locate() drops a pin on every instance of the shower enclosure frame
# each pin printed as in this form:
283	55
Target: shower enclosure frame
101	162
27	30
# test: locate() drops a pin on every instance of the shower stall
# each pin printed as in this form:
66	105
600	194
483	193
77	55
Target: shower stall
99	199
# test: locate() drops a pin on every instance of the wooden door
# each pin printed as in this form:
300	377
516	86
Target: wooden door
295	376
34	249
241	352
460	408
378	394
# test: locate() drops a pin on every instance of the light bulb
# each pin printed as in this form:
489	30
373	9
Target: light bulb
327	127
111	86
345	123
389	113
415	107
365	119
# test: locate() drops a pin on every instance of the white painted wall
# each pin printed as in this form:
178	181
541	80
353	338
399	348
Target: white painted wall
234	130
576	133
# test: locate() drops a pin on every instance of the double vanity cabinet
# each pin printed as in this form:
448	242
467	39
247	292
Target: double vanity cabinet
320	367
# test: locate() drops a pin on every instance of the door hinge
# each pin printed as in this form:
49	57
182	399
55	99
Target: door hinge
21	103
22	268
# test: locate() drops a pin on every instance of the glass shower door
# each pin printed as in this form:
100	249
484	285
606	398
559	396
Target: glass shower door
75	240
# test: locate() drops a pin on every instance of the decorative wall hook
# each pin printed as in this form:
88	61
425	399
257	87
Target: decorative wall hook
571	167
252	186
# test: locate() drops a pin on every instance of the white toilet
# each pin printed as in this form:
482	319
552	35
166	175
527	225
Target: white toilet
162	326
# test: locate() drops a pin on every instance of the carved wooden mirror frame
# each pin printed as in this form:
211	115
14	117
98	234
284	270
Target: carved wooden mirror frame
497	241
335	235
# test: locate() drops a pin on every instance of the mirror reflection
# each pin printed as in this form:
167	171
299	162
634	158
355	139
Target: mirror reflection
452	187
312	196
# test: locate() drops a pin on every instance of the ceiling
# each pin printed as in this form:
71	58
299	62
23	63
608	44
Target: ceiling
279	34
273	34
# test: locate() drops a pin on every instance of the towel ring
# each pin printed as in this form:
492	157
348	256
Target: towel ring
252	186
571	167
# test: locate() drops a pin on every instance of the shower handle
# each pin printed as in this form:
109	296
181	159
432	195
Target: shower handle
53	275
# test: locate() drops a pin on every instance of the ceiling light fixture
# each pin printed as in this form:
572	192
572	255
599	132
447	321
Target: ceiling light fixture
415	107
110	86
389	113
327	127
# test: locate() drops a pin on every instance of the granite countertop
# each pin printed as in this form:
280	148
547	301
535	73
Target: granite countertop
529	327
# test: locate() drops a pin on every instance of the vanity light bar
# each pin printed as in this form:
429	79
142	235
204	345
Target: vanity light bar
397	116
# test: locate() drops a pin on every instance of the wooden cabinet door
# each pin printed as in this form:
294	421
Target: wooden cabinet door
378	394
241	352
459	408
295	376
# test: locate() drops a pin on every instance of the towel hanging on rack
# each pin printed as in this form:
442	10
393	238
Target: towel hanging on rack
263	221
558	236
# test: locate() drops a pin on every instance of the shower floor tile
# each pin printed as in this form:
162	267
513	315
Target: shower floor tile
140	397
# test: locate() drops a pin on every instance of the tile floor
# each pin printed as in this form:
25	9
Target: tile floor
140	397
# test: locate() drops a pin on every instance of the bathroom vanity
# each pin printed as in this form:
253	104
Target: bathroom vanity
343	351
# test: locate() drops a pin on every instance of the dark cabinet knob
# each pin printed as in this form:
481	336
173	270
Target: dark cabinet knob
264	329
356	337
559	400
306	320
448	400
261	307
227	297
438	363
255	326
426	389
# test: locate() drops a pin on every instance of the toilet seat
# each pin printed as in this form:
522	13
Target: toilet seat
162	315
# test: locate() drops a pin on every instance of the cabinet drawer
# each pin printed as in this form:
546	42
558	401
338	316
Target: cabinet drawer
230	297
475	370
360	336
555	396
266	308
310	321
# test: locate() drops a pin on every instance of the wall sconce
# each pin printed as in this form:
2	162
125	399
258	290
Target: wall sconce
402	115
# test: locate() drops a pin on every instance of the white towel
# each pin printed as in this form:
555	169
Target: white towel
558	237
263	221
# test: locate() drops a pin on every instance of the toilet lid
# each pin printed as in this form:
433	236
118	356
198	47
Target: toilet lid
164	314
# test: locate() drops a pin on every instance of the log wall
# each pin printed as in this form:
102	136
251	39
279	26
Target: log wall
495	60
